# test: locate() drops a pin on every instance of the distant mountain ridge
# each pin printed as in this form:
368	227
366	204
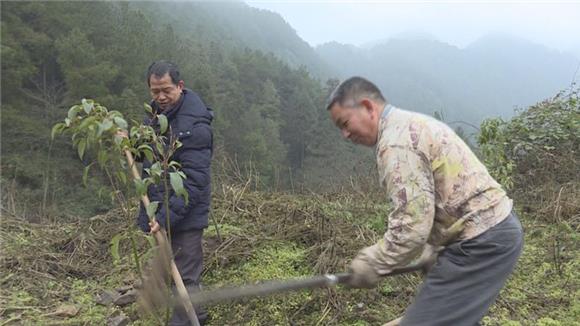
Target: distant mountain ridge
489	77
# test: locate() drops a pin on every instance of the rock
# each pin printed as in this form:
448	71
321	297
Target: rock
124	289
118	318
67	310
107	297
126	298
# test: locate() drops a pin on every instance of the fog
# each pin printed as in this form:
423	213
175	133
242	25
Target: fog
555	24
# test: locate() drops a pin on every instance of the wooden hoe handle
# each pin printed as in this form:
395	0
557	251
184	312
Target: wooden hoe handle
162	241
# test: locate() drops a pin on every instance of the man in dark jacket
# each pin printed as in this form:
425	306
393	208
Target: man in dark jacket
189	121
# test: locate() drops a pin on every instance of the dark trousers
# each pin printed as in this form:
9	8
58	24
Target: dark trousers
467	278
188	252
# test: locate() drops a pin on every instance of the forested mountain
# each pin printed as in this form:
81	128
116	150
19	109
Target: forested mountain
235	24
490	77
269	114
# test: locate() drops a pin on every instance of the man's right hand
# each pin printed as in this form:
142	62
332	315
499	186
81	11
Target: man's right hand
122	133
155	227
363	275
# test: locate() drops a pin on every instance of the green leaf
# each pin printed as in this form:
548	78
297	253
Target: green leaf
118	139
177	185
148	108
115	248
57	129
156	169
159	148
105	125
122	177
86	122
99	108
176	181
140	187
148	155
86	174
134	132
162	123
152	209
147	151
174	164
73	111
121	123
81	147
87	105
102	157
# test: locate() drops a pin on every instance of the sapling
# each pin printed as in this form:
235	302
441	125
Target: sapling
101	132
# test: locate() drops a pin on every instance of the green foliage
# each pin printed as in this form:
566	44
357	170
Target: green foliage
493	142
541	143
545	135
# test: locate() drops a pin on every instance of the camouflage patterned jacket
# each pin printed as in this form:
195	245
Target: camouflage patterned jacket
433	179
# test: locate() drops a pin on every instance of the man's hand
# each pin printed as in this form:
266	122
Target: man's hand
428	257
363	275
155	227
122	133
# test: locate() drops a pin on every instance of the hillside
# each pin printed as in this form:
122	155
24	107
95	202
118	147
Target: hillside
261	237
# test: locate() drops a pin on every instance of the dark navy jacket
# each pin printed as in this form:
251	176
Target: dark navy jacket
190	121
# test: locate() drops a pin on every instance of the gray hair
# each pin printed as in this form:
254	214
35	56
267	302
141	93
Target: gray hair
162	67
350	92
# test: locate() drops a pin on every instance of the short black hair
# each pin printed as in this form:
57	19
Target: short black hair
162	67
351	90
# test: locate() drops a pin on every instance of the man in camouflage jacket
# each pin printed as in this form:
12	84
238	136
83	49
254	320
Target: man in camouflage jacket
433	180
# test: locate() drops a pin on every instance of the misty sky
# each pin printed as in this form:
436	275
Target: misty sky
552	23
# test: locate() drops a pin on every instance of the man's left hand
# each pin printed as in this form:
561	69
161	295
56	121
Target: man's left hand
363	275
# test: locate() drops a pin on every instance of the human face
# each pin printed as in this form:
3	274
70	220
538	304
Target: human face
164	92
357	124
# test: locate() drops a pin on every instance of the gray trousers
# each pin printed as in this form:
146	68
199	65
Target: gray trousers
467	278
188	254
